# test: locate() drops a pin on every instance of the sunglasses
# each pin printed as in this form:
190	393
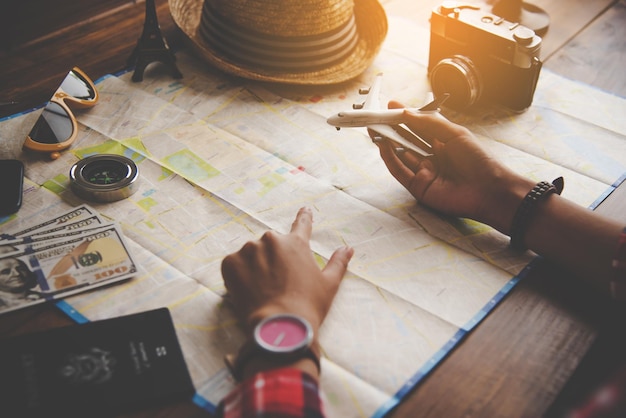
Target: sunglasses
56	128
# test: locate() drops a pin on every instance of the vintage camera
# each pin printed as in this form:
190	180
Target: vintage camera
477	57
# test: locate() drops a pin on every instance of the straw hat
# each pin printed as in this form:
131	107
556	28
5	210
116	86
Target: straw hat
284	41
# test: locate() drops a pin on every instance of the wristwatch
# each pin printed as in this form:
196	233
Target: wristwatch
279	338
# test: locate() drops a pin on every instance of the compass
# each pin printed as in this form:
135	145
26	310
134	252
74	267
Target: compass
104	177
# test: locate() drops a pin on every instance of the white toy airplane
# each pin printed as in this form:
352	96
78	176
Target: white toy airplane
386	122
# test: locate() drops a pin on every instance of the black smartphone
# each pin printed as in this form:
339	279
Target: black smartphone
11	185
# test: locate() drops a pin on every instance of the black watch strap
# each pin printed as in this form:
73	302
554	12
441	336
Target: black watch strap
250	350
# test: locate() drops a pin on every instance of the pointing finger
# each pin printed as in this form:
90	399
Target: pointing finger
337	265
303	224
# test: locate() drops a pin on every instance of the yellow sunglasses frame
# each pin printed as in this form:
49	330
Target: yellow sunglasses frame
60	97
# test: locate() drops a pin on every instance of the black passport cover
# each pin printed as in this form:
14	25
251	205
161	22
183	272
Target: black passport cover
94	369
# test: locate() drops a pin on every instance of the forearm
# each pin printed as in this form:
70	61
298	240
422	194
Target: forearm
572	236
576	238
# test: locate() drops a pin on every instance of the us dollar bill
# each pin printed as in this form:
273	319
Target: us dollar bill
54	269
83	223
62	220
32	243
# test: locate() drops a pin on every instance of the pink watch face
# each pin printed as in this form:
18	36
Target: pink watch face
283	333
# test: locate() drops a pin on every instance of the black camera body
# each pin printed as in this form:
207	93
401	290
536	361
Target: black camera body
478	57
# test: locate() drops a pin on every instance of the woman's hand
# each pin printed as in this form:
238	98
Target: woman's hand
278	274
461	178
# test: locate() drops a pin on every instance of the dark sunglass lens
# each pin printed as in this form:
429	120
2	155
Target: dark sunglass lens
53	126
76	86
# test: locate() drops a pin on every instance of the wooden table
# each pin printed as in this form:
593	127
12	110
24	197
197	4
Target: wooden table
520	358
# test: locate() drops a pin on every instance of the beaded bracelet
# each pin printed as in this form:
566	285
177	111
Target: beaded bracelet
526	208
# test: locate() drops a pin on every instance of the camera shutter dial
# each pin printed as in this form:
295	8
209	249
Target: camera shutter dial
524	35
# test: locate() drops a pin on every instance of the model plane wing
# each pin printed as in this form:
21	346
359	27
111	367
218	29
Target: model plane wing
391	133
372	100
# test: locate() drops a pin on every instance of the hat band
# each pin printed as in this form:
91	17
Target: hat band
300	53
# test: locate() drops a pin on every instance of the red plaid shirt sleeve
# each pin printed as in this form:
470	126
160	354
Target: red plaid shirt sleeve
279	393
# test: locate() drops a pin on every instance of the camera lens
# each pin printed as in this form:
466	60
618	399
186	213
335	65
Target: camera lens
457	76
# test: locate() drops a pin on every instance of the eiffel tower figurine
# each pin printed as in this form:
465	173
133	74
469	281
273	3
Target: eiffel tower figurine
151	47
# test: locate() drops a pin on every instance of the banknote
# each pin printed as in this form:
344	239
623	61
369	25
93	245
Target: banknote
63	219
70	253
81	223
10	247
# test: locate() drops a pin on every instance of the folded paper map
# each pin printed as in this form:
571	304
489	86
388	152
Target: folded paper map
223	159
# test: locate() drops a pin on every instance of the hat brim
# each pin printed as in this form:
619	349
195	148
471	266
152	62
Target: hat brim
371	22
